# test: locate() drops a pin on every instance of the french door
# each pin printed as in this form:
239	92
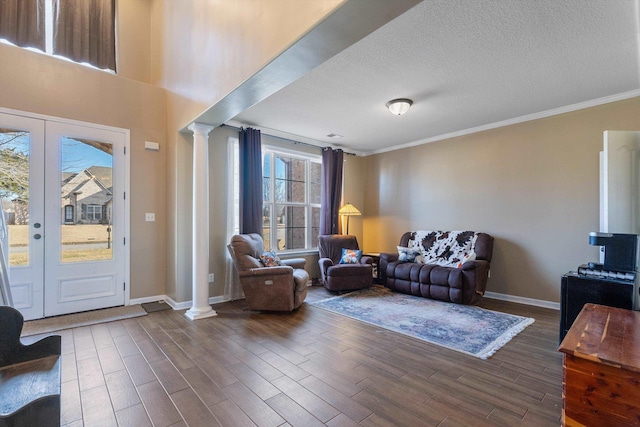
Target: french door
62	187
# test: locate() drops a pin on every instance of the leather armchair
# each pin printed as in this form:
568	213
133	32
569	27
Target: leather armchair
281	288
342	277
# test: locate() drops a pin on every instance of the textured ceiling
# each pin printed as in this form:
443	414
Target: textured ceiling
466	65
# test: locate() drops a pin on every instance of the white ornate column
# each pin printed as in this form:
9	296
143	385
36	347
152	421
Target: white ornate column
200	307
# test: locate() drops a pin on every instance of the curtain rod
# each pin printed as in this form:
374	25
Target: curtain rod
288	140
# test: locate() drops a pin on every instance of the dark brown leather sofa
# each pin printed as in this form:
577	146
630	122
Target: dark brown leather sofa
464	285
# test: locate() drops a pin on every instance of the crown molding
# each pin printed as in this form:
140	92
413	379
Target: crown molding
527	118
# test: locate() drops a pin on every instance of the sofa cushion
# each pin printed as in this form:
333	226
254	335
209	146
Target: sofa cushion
301	278
349	270
445	248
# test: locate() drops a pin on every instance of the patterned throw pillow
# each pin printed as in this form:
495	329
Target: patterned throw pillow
270	259
350	256
409	254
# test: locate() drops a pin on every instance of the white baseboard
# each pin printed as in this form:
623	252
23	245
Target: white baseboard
523	300
182	305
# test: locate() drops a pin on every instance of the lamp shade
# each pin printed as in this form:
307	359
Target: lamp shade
399	106
349	210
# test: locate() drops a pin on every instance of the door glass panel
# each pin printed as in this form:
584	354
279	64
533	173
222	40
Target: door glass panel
87	200
14	192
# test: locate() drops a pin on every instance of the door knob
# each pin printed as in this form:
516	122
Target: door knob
36	225
36	236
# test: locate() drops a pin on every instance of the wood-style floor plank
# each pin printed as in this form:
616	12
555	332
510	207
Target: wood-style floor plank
309	367
133	416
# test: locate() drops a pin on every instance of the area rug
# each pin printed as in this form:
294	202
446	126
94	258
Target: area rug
467	329
76	320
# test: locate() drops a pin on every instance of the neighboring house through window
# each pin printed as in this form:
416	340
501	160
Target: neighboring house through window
87	196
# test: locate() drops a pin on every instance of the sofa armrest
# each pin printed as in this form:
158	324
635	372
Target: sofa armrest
282	270
294	262
366	260
389	257
324	264
480	270
385	259
476	264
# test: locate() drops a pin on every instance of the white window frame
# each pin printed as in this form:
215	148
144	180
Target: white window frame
233	196
91	212
308	159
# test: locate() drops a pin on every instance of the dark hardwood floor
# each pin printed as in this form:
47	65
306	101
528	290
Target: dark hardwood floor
306	368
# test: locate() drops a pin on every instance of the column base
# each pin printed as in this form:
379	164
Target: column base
196	315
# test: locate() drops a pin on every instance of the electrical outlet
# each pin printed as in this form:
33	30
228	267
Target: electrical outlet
150	216
211	277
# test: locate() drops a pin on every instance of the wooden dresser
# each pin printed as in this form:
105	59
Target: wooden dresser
601	368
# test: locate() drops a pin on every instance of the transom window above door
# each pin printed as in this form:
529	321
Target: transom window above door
78	30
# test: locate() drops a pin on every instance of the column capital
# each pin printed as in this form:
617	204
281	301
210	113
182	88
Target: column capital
200	129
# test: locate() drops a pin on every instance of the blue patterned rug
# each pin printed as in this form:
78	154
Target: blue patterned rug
467	329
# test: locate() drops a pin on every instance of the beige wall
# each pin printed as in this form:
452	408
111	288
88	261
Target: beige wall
533	186
37	83
134	39
354	186
201	51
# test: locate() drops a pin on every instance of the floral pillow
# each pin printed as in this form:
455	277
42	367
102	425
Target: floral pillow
350	256
409	254
270	259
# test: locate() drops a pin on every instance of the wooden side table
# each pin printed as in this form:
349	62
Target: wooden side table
601	368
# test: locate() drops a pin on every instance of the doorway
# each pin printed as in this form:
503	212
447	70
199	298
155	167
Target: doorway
63	188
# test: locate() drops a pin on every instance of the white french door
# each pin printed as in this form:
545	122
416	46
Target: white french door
63	186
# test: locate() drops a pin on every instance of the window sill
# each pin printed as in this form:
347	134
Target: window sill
293	253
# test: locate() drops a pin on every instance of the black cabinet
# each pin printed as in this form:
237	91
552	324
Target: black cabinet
577	290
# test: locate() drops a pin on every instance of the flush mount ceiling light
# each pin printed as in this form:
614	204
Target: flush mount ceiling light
399	106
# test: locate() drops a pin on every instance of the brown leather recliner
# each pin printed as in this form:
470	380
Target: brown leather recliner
281	288
342	277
